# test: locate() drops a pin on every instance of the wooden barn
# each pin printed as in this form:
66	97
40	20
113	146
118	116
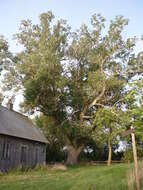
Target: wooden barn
21	143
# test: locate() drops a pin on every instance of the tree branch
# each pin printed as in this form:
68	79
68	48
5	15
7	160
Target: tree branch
93	103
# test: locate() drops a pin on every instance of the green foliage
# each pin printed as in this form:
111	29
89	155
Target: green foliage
54	149
4	53
134	102
41	70
95	80
108	125
6	61
99	152
55	153
128	156
77	81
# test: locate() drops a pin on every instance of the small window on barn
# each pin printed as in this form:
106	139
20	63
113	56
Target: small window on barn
6	151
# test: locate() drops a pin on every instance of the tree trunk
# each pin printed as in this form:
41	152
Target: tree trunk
73	154
109	152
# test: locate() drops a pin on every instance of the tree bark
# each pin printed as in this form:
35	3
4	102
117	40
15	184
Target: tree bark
73	154
109	152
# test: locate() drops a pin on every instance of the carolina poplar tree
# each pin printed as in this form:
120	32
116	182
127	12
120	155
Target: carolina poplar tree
69	77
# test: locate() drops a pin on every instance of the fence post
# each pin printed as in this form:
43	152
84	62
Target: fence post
135	158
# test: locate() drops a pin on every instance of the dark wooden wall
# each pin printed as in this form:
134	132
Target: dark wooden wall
11	156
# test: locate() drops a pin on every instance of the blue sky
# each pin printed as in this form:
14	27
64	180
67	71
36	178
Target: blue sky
75	11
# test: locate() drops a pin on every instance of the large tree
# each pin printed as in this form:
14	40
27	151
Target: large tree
99	69
68	78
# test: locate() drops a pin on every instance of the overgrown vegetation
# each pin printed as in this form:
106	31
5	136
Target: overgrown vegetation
74	178
132	178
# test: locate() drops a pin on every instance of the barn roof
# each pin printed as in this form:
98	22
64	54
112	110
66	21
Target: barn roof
15	124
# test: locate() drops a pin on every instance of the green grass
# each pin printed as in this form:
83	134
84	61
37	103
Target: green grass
75	178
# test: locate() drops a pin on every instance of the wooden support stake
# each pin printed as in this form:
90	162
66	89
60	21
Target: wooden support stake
135	159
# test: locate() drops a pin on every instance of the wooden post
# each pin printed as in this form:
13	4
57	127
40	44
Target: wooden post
135	158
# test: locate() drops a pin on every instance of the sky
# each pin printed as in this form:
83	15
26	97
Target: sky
76	12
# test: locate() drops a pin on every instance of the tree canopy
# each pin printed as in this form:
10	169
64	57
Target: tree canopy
5	60
76	80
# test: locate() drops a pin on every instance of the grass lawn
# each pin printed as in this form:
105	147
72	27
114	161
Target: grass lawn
75	178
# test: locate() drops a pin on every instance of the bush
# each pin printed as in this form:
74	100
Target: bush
54	153
128	156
